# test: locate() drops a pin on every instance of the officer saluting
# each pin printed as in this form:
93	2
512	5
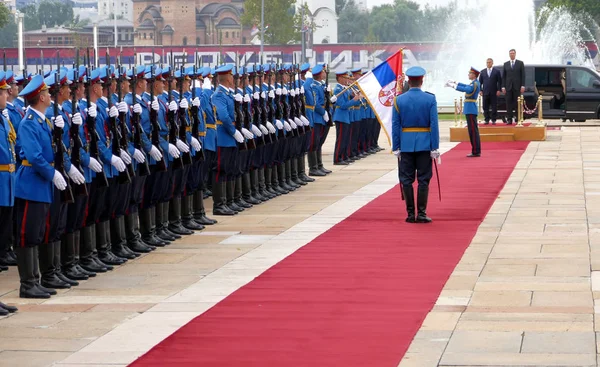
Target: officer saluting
416	140
470	108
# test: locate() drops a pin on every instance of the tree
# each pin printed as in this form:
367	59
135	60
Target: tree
8	34
5	15
589	7
340	5
48	12
353	25
279	16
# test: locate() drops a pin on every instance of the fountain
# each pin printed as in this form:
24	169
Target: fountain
490	28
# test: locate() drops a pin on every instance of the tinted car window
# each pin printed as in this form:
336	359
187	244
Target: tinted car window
580	78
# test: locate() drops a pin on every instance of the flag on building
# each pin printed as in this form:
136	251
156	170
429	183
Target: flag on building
379	87
254	31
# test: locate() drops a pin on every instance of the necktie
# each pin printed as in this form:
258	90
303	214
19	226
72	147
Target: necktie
512	64
489	72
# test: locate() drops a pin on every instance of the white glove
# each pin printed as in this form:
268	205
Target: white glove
58	121
435	154
196	102
308	75
173	106
256	131
117	163
271	127
94	165
173	151
396	153
137	108
329	88
298	91
298	121
76	119
93	110
256	95
285	91
155	106
184	104
278	91
247	98
155	153
305	120
113	112
196	144
5	113
183	147
326	117
238	137
247	134
301	89
76	176
293	124
287	126
271	94
206	84
293	93
333	99
263	95
125	157
263	130
59	181
238	98
139	156
450	83
122	107
278	124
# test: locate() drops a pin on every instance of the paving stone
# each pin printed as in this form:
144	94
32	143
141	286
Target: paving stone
463	341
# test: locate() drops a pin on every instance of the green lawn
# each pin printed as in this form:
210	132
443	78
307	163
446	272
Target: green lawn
450	116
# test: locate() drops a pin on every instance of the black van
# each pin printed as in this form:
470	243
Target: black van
568	92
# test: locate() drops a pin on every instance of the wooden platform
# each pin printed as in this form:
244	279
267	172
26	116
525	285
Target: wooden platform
501	132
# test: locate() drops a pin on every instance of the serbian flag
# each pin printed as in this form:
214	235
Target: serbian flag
379	88
254	30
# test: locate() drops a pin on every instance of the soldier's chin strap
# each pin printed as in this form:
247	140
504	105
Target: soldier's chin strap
437	176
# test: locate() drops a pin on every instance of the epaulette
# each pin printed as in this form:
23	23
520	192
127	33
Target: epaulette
430	93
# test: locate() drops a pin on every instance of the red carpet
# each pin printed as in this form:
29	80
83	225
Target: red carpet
356	295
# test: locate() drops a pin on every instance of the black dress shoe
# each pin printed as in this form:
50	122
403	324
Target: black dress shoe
223	210
298	181
8	308
474	155
92	266
243	203
90	274
109	258
171	233
180	230
32	292
341	163
165	237
54	282
423	219
66	279
316	173
205	221
3	312
51	292
3	267
252	200
74	273
139	247
323	169
121	252
154	241
192	225
7	260
233	206
305	178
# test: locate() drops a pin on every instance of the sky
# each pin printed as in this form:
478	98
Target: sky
372	3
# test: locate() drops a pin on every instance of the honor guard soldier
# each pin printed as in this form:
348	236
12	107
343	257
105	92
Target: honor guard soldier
470	108
210	140
227	139
416	140
8	139
37	178
302	77
315	102
341	116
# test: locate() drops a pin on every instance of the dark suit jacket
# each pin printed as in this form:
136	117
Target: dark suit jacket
513	78
490	84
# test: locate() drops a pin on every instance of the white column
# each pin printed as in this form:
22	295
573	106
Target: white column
96	44
20	31
115	19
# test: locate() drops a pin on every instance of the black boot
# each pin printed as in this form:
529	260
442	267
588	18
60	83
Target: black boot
175	224
133	235
422	195
77	249
148	229
104	245
313	165
294	172
69	266
275	183
238	194
302	170
262	186
409	198
255	187
220	200
281	173
58	266
118	239
230	195
88	244
159	218
247	192
48	268
166	210
289	174
28	288
199	211
268	182
187	215
320	162
36	273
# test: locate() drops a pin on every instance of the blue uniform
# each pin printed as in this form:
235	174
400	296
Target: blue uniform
415	122
35	176
7	163
309	100
471	93
222	101
208	112
105	142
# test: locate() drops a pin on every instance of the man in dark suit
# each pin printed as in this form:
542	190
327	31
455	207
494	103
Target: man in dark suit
513	83
490	80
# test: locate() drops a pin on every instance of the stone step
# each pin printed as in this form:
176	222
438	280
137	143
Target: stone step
497	137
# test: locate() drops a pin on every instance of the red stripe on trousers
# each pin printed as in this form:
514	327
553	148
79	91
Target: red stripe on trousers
24	223
47	234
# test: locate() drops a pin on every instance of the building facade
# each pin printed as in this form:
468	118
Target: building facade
189	22
123	9
322	19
